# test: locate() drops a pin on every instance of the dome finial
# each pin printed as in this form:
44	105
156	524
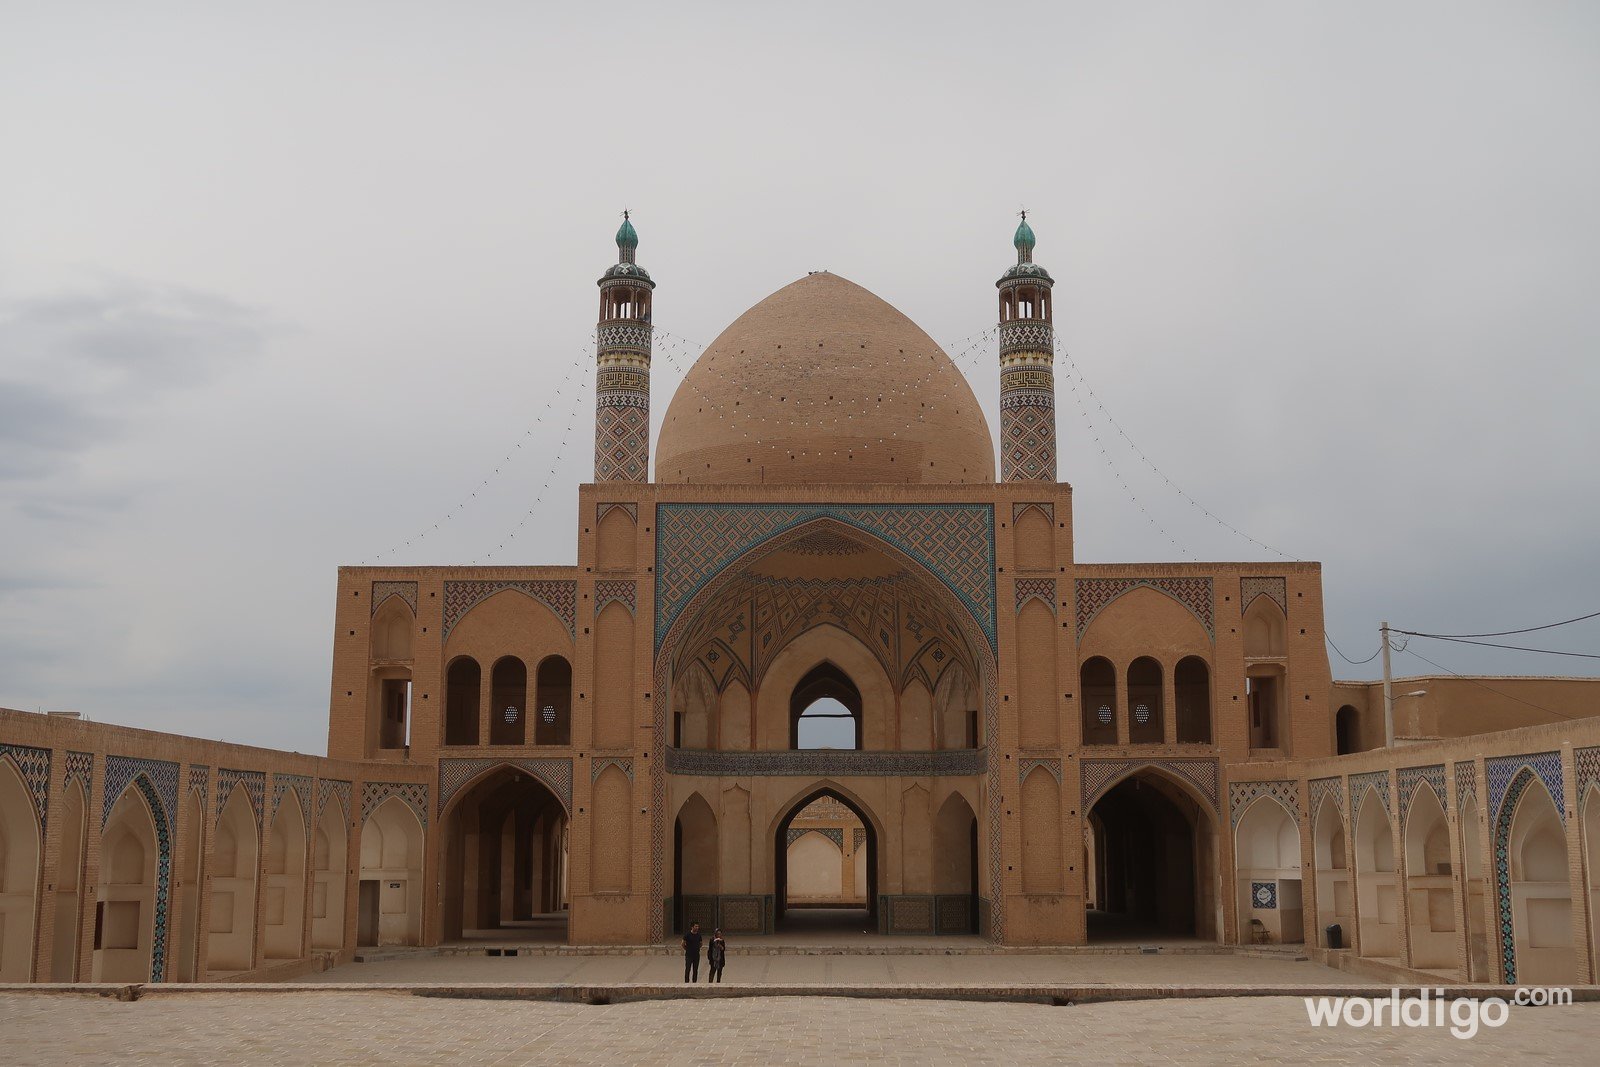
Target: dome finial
1024	239
627	239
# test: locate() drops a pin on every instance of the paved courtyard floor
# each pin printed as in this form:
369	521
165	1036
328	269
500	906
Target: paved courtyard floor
974	969
392	1028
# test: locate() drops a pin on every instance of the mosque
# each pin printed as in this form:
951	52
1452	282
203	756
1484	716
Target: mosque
835	667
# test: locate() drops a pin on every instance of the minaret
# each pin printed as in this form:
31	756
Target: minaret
622	377
1027	368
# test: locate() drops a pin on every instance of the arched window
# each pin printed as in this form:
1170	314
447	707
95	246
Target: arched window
552	705
462	682
1192	692
508	710
1144	702
1347	733
825	710
1098	682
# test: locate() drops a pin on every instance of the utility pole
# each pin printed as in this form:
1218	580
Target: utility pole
1388	692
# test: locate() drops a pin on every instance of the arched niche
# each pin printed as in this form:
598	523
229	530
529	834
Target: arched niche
1191	685
329	851
1346	730
1145	700
69	873
283	898
846	657
389	898
825	710
19	875
1267	862
126	898
235	852
552	705
1376	892
1335	893
508	701
1097	692
393	626
1540	890
696	864
463	683
1264	626
1430	883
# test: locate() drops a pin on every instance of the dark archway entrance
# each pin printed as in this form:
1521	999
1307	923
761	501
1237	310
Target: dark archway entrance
506	861
802	916
1150	863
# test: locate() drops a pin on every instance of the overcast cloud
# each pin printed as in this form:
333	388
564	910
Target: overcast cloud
282	284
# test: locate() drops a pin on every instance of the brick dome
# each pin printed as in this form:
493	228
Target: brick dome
823	382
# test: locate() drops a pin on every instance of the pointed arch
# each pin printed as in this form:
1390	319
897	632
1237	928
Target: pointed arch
69	876
19	873
1430	881
1377	901
1264	626
611	864
1335	894
1267	864
329	860
283	900
131	900
390	901
1535	893
393	625
230	948
779	831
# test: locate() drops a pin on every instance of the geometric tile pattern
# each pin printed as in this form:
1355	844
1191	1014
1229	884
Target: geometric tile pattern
1322	788
601	510
621	437
1521	778
382	591
556	774
1026	766
33	764
1587	768
622	763
301	785
255	789
1501	770
1275	588
327	787
1041	589
696	542
1098	775
1047	509
1094	594
413	794
560	596
199	780
832	833
1028	424
1466	786
163	903
80	766
1264	895
1360	783
120	770
1408	779
1242	794
607	591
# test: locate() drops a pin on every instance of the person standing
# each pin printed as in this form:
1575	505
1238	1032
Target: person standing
691	954
716	955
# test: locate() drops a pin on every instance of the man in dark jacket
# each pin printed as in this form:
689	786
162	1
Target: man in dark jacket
691	954
716	955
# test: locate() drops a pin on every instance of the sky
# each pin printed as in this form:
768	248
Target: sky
289	286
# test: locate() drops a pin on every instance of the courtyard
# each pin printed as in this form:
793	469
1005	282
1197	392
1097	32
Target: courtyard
396	1028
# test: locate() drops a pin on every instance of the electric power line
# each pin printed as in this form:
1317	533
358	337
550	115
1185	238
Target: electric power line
1503	633
1514	648
1347	659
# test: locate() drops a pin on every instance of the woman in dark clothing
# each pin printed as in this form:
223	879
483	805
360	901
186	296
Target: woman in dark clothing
717	956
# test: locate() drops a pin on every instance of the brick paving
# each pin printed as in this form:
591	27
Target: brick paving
396	1028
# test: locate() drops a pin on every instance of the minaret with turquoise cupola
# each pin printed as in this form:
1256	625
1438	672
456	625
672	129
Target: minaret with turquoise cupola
622	376
1027	368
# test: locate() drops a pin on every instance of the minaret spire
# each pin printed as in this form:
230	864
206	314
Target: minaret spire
1027	367
622	357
